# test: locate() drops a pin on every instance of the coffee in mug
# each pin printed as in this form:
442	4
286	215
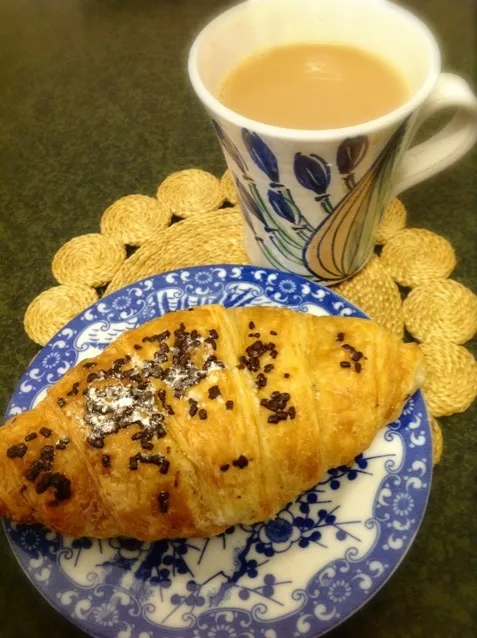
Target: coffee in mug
313	86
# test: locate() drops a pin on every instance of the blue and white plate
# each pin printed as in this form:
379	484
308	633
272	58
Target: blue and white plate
300	574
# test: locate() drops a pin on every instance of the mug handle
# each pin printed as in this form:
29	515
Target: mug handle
448	145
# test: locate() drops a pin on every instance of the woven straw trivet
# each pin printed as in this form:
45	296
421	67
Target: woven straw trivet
49	312
189	192
212	238
227	186
441	308
414	256
91	260
437	311
134	219
437	440
451	377
374	291
393	220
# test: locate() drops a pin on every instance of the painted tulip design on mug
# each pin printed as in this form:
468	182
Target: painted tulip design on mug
351	153
250	206
230	147
342	242
283	229
262	156
339	245
313	173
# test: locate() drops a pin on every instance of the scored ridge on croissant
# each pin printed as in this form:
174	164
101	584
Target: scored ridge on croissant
200	420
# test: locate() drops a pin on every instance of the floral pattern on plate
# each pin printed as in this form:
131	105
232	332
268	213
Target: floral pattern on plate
299	574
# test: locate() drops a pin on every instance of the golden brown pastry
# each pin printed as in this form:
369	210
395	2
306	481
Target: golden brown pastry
200	420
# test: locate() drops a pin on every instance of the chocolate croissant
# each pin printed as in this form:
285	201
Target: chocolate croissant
200	420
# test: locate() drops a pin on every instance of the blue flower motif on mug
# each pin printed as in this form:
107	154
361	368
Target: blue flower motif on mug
339	591
262	155
403	504
312	172
280	206
106	615
230	147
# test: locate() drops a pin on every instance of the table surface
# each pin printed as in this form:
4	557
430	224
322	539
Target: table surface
95	104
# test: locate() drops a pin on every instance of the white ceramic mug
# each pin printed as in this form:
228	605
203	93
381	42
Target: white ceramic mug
312	200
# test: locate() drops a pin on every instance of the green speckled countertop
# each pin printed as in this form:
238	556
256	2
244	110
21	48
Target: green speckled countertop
95	104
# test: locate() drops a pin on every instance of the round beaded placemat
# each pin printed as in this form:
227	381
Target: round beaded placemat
405	287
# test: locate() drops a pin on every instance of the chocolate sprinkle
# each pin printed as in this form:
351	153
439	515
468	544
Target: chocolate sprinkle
286	375
214	392
137	346
345	364
229	405
251	325
224	468
163	500
211	342
356	355
62	486
159	337
134	462
213	333
17	451
272	332
269	367
74	390
193	407
347	347
89	365
92	377
44	483
241	462
95	441
31	437
165	466
106	460
59	481
340	337
46	432
357	367
23	489
277	403
61	402
33	471
47	456
261	380
202	414
63	443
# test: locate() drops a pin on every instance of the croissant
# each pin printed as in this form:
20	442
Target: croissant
200	420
